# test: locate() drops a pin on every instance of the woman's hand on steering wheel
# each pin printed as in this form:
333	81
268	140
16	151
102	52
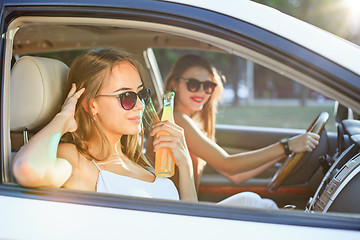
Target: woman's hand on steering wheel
304	143
299	145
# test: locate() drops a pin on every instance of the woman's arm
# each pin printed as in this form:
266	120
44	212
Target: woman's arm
243	176
36	164
203	147
176	142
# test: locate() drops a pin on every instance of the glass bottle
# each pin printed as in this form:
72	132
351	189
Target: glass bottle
164	159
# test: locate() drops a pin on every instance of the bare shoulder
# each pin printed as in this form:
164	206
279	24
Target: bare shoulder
188	124
183	120
69	152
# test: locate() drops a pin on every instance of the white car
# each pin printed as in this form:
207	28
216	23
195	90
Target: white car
324	185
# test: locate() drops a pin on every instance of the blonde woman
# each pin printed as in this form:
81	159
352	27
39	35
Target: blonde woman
102	114
197	88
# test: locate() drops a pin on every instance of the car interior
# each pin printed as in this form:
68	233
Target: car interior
325	180
40	96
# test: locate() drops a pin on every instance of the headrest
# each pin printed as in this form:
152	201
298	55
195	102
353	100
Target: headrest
36	92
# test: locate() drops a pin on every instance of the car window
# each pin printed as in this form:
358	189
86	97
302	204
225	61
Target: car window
255	95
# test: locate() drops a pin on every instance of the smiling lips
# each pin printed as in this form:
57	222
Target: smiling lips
135	119
197	99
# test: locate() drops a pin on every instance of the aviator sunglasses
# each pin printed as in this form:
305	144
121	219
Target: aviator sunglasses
193	85
128	99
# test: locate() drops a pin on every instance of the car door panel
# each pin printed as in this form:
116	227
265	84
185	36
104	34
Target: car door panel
65	214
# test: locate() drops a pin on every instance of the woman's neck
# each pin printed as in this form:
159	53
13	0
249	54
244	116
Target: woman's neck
183	110
95	144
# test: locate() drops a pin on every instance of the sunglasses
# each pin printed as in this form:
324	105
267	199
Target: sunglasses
128	99
193	85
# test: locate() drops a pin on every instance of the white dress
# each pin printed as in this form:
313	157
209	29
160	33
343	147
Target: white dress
161	188
248	200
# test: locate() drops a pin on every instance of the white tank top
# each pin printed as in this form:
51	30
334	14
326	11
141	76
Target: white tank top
109	182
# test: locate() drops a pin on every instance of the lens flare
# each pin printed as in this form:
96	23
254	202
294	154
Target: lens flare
353	17
354	7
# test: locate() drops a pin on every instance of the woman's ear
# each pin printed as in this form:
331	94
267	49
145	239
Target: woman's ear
85	105
89	106
174	85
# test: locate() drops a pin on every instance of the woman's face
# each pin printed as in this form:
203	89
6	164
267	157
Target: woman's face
190	102
110	115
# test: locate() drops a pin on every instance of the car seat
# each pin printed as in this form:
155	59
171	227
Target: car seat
36	95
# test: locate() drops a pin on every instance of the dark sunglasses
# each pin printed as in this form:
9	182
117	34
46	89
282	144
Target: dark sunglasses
128	99
193	85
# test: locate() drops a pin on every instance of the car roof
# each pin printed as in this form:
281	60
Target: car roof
306	35
313	38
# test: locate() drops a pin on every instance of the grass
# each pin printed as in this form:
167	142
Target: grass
275	116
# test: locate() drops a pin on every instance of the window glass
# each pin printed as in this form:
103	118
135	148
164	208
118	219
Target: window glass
255	95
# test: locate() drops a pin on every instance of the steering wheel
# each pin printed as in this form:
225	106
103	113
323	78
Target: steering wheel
316	127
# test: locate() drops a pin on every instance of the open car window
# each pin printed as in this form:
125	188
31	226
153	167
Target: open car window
255	95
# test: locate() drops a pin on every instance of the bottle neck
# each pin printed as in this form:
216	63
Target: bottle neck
168	107
167	113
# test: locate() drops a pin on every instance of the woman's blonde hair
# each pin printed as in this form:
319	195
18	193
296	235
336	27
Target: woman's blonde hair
88	71
207	114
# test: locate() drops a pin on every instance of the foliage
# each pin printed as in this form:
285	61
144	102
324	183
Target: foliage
275	116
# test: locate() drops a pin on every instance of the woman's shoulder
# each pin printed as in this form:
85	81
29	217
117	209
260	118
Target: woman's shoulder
187	123
84	173
182	118
69	152
67	147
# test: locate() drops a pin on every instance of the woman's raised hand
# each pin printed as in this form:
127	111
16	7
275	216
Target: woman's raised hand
175	141
304	143
68	108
